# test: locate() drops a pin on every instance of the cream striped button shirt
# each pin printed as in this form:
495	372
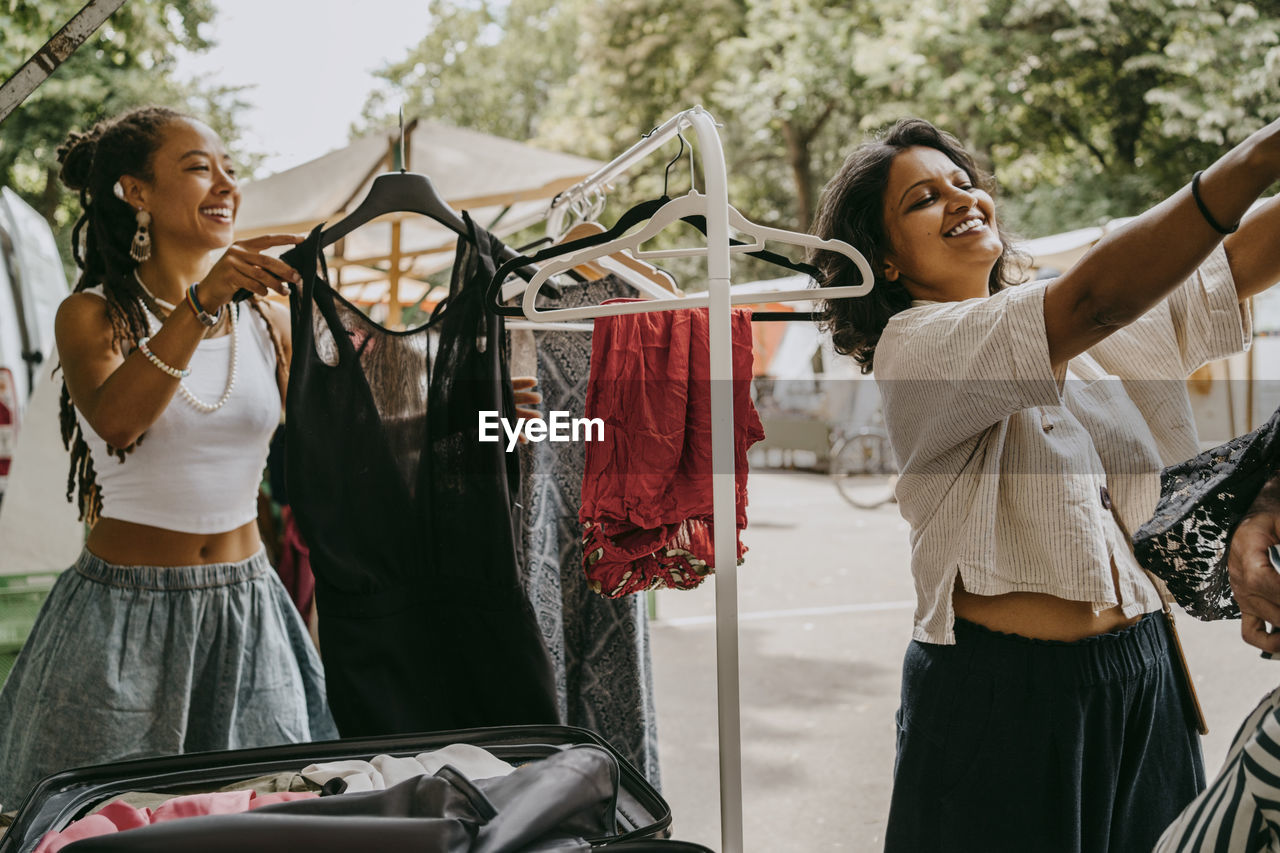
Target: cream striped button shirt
1003	461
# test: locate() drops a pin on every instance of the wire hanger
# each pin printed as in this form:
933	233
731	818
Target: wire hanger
692	208
687	203
519	264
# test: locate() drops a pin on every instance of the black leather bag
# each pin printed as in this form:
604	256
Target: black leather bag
1201	502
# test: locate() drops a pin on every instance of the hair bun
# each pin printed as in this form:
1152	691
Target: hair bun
76	157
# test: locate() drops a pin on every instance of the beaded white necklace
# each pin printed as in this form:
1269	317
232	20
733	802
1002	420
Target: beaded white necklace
183	390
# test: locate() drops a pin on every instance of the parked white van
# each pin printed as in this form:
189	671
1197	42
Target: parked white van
32	284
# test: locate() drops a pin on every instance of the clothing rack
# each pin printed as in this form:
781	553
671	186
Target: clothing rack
718	301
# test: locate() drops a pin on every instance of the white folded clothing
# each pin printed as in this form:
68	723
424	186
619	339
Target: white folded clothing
383	771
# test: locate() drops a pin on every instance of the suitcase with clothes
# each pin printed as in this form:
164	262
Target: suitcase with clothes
569	791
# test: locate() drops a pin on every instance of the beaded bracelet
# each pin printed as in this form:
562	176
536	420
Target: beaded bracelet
175	372
1204	211
204	316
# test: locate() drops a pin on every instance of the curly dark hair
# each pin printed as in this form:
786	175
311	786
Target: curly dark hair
92	163
852	210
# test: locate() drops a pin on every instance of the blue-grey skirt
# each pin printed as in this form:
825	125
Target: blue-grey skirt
135	661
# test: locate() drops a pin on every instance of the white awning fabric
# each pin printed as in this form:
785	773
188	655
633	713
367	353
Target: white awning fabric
505	186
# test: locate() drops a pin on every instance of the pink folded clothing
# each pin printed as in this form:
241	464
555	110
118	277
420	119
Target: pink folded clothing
647	506
120	816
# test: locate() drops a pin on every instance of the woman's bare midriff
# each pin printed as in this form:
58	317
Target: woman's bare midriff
124	543
1040	616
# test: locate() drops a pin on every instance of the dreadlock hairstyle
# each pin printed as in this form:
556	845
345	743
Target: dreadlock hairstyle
852	210
92	163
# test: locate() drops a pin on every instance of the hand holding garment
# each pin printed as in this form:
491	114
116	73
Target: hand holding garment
647	509
1201	502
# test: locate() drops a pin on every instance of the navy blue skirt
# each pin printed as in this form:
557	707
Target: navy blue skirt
135	661
1011	744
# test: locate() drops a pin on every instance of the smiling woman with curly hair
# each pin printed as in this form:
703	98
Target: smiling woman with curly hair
1043	706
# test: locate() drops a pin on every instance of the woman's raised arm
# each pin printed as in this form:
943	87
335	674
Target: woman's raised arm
1132	269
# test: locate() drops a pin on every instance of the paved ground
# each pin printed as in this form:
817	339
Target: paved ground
825	601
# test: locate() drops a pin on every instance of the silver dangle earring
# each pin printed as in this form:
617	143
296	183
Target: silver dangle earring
140	249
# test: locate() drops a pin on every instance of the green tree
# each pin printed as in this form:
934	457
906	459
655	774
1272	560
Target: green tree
127	62
488	66
1090	109
640	62
1084	109
790	76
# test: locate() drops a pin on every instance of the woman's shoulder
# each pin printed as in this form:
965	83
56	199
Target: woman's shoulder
982	309
276	312
88	306
82	324
937	330
96	290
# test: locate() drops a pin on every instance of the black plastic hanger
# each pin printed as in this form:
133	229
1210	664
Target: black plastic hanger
402	192
396	192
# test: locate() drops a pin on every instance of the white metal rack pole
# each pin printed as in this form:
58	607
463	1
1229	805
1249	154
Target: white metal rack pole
718	300
724	504
724	510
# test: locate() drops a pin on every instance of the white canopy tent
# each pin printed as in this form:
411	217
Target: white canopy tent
503	184
1058	252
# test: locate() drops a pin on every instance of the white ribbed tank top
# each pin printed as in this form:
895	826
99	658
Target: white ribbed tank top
194	471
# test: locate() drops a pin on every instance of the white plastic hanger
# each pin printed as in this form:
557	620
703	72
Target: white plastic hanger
646	279
691	204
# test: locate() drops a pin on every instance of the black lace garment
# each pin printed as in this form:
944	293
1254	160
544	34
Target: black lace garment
1201	501
424	624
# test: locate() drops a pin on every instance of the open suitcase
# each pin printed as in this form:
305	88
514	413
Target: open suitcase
642	817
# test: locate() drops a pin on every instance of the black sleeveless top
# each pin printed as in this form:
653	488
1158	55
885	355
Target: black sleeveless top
424	624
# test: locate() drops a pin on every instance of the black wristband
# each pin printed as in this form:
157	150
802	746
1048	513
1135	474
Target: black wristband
1204	211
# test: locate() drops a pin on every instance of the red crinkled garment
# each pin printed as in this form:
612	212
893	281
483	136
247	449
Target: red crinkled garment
646	488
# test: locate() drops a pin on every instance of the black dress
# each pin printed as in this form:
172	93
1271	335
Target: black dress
423	622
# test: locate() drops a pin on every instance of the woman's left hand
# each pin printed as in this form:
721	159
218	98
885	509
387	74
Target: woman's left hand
526	398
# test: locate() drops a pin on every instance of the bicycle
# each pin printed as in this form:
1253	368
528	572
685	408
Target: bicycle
862	464
863	467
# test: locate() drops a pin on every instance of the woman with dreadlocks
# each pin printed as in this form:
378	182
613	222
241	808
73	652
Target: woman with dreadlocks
171	633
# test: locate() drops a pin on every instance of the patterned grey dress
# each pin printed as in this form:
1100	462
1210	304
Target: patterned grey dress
599	647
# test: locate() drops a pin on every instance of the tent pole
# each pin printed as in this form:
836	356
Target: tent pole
55	51
393	279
